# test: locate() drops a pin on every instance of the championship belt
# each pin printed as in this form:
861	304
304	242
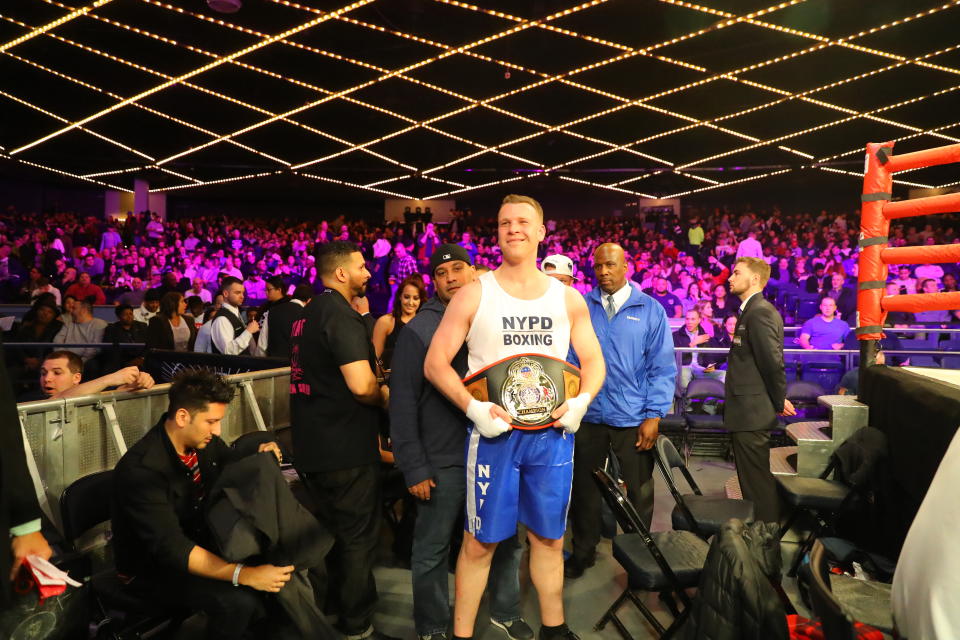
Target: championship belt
528	386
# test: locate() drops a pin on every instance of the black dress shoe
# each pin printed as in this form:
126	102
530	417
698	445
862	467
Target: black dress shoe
574	567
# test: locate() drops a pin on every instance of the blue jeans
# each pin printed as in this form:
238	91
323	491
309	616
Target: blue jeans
436	519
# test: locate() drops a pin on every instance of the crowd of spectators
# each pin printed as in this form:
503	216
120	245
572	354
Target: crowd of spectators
62	264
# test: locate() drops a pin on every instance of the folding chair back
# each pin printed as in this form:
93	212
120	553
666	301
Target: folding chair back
644	557
807	308
668	458
623	510
85	504
669	454
703	515
837	624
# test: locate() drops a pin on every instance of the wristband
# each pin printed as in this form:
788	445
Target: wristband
236	575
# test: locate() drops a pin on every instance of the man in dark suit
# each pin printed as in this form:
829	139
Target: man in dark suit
756	386
19	510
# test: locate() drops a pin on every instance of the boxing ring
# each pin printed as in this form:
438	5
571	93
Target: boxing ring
918	409
876	213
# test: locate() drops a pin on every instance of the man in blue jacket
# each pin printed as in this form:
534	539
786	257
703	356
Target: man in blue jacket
428	434
637	347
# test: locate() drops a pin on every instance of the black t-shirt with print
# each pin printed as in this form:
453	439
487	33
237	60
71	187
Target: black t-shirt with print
331	430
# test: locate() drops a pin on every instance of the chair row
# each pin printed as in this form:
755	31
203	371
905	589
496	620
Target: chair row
698	429
671	562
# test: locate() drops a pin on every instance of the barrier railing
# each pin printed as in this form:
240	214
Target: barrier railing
849	357
70	438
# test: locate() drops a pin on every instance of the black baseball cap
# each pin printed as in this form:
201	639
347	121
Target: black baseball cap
447	253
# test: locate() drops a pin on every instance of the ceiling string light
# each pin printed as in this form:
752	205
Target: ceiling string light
137	105
219	95
68	174
385	76
33	33
756	13
91	132
728	20
210	65
264	72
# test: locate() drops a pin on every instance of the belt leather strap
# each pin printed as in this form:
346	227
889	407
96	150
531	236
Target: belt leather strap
528	386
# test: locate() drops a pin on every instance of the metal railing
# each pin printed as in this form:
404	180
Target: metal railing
70	438
849	357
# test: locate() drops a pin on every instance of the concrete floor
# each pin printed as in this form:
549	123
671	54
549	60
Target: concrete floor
585	599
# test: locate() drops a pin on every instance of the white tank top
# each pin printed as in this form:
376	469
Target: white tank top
505	326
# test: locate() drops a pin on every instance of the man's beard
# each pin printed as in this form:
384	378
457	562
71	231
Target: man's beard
360	290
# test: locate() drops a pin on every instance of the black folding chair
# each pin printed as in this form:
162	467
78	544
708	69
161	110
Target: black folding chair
674	425
705	432
703	515
855	462
666	562
836	619
85	504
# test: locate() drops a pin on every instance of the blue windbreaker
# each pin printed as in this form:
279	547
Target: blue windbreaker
637	347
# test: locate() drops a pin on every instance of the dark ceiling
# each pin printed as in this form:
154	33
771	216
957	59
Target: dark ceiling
421	98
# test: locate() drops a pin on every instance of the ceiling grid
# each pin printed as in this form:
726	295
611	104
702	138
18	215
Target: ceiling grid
435	98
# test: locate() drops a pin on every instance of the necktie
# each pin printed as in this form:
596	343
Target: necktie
611	307
192	462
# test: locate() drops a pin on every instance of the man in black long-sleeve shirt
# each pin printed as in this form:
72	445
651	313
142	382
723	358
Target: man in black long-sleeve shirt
428	434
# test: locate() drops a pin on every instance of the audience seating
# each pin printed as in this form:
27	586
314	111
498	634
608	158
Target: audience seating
85	504
803	395
951	346
809	306
703	515
918	344
674	425
950	362
924	361
705	432
666	562
825	374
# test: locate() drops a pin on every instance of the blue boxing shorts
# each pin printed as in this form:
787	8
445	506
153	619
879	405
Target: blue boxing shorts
519	476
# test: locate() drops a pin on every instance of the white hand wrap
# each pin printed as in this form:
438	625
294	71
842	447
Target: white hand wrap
488	426
576	408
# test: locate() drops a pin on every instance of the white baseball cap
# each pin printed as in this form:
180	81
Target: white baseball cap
561	265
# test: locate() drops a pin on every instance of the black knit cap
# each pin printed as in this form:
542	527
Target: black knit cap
448	253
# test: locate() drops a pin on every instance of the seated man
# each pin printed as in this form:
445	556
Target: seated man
696	365
825	330
161	538
125	330
85	329
61	372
